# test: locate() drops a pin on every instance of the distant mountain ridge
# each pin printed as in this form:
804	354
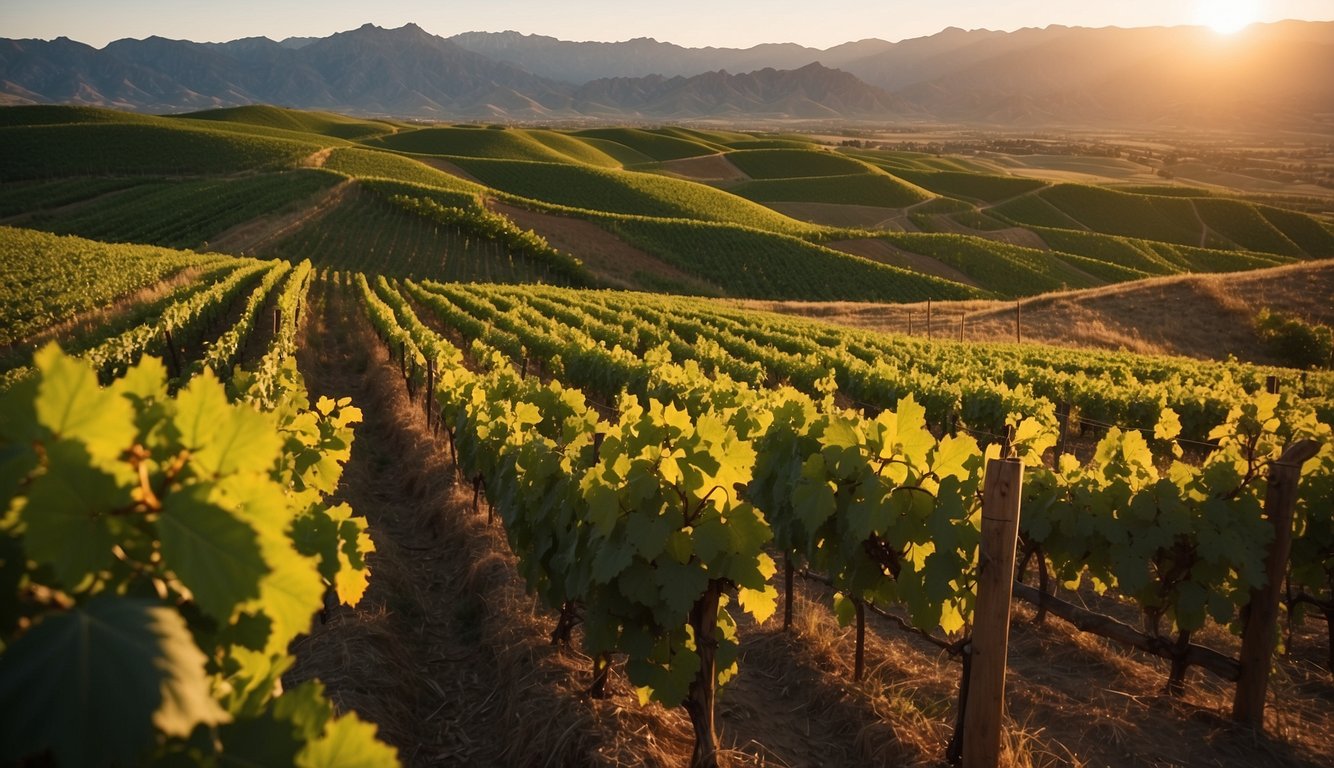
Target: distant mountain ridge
1269	75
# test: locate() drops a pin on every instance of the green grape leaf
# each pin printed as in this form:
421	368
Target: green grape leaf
215	554
604	507
348	742
1190	605
845	609
680	585
224	438
647	533
292	591
258	741
67	514
72	405
92	683
1168	427
840	433
748	528
813	503
759	603
955	456
711	538
354	575
612	557
306	707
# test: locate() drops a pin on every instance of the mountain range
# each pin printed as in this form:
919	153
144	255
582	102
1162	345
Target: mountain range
1270	75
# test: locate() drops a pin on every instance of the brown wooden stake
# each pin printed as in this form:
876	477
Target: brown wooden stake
1261	614
277	315
1018	339
171	354
961	327
1062	427
601	671
910	322
787	592
1001	494
928	318
430	393
859	662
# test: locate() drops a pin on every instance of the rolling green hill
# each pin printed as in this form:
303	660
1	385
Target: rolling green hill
876	189
626	192
322	123
279	178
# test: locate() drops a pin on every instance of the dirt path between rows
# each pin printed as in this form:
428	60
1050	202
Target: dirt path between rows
706	168
398	658
887	253
609	257
252	236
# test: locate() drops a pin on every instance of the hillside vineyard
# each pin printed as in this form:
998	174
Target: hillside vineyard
331	440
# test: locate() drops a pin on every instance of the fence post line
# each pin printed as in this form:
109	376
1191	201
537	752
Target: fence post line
1001	496
1261	614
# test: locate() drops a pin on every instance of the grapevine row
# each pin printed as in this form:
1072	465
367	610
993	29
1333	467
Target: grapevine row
175	542
880	504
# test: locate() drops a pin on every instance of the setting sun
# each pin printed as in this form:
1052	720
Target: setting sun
1226	16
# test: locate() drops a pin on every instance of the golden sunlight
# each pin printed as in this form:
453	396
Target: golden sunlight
1226	16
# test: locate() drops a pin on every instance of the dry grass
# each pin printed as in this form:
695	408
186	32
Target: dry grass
1200	316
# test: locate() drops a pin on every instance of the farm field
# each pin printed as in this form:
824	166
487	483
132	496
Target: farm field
400	439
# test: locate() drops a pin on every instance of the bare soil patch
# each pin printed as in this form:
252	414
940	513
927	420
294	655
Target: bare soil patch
250	237
846	215
1012	235
609	257
887	253
318	159
441	164
706	168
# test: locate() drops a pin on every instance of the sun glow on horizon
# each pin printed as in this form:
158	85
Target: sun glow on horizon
1226	16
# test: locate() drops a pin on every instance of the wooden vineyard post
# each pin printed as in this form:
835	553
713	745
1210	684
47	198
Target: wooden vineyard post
1018	339
910	322
430	394
928	318
1261	614
277	320
1001	494
1063	427
787	591
171	353
961	327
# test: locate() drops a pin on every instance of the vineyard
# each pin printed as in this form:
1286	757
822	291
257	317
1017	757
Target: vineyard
1007	235
407	483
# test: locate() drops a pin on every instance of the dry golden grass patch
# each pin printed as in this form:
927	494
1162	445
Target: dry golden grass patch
1200	316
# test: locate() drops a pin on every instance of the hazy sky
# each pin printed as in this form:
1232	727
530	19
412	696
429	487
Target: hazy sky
739	23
